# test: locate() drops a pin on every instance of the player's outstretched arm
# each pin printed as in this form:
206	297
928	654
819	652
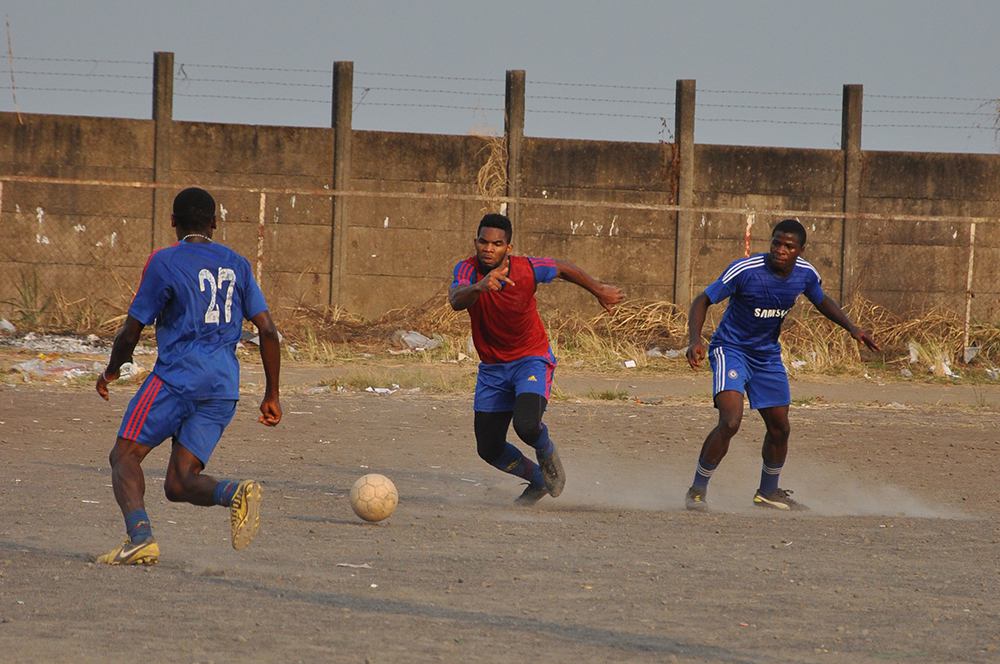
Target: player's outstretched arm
121	352
696	321
606	294
463	297
829	308
270	355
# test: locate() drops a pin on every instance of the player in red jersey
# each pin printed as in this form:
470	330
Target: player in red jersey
515	373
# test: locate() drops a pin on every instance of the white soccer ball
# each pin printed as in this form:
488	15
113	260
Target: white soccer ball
374	497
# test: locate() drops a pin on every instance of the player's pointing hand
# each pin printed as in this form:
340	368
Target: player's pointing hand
497	277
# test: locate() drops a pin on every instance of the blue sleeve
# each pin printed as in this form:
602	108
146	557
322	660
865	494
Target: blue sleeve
462	274
253	297
544	268
153	292
814	289
719	290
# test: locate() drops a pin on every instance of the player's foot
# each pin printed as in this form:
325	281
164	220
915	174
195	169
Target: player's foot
695	500
552	473
244	513
531	495
132	553
779	499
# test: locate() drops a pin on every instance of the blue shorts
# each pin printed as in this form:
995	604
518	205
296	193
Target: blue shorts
498	385
762	378
155	414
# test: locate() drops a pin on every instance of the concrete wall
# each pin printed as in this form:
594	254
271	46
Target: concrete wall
73	240
89	241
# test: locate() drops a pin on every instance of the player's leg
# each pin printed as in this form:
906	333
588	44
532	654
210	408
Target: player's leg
194	444
494	407
184	482
145	424
532	379
769	393
491	443
729	376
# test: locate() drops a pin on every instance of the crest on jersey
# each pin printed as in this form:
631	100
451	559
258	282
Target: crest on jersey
733	374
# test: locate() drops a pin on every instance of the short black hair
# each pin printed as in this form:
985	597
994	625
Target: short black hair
194	209
791	226
494	220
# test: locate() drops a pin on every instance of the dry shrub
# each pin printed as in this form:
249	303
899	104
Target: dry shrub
491	180
939	334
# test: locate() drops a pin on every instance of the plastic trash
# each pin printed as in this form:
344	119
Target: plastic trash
416	341
7	327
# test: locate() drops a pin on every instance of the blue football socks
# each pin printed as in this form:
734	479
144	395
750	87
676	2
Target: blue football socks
137	526
543	446
703	473
769	478
224	492
512	461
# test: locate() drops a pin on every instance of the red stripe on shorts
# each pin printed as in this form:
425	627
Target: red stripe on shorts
142	408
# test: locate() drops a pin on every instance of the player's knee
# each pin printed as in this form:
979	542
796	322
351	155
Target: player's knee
779	431
178	487
174	490
488	452
729	424
527	426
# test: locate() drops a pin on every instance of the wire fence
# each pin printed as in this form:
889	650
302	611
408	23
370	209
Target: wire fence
435	103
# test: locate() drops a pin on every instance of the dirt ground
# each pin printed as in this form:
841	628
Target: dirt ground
897	561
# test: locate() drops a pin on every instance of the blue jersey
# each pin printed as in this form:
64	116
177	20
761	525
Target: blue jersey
759	300
198	294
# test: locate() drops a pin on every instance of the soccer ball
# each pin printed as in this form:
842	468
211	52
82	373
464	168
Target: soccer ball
374	497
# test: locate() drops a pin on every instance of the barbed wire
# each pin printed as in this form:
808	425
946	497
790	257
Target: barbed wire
208	95
609	100
85	90
294	70
77	74
431	76
369	92
83	60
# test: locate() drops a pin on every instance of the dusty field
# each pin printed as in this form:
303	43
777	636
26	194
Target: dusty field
897	561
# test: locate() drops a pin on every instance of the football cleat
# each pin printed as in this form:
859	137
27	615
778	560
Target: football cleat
552	473
779	499
132	553
695	500
531	495
244	513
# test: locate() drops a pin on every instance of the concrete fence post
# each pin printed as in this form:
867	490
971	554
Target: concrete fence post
514	133
343	101
685	219
163	118
850	144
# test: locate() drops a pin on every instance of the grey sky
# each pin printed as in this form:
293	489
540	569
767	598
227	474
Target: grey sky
896	48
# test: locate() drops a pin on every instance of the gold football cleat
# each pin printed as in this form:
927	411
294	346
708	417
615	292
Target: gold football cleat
244	513
132	553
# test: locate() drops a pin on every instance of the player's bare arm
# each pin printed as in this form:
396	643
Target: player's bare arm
606	294
121	352
463	297
696	321
270	355
829	308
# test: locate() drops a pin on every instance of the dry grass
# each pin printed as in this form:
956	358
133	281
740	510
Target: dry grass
605	340
332	335
491	180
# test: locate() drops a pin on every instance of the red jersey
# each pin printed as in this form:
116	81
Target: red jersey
505	323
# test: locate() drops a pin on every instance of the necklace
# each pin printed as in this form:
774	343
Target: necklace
207	239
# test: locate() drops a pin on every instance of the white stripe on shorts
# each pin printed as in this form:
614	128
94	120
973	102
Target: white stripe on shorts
720	369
